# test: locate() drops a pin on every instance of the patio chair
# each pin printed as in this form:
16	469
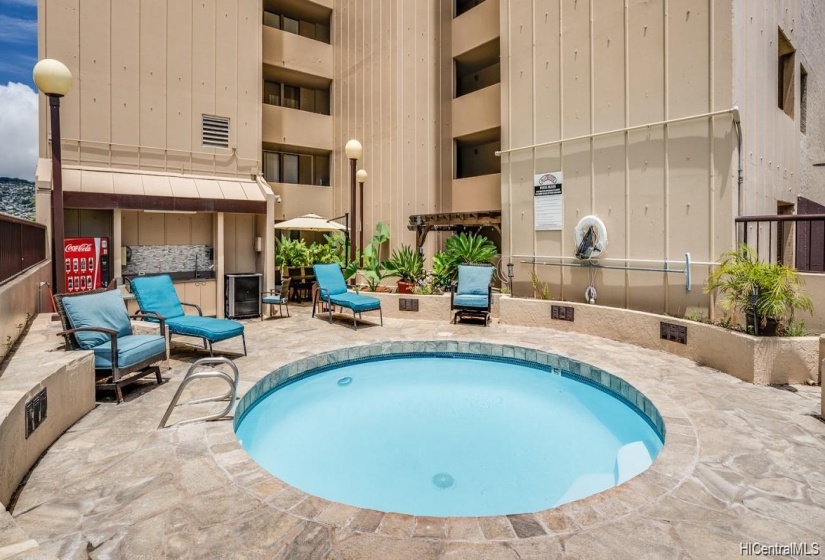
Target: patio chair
473	295
98	321
332	289
277	297
156	294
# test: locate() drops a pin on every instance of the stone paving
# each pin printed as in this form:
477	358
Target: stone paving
741	464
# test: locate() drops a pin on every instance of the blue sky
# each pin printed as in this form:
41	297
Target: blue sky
18	40
18	100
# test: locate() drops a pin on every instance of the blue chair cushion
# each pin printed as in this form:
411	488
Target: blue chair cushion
356	302
273	299
471	300
157	294
131	349
210	328
474	280
105	309
330	278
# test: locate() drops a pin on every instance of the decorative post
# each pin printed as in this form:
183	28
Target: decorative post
54	79
361	177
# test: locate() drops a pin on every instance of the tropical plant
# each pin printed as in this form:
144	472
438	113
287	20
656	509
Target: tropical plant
407	264
540	289
372	269
470	249
796	328
338	245
291	252
777	288
443	272
322	253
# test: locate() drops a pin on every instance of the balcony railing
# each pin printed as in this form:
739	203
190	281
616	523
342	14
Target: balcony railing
22	245
797	239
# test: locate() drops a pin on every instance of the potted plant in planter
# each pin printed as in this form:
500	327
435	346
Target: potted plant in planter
408	265
766	293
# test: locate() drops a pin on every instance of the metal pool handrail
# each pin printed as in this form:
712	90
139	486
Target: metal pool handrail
192	374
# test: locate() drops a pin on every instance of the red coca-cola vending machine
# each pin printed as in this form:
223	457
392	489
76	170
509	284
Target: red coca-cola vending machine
87	263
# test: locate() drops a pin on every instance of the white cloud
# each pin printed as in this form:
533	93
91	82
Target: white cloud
17	30
18	131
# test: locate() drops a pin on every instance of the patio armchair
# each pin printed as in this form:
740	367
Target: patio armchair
277	297
156	294
332	290
98	321
473	295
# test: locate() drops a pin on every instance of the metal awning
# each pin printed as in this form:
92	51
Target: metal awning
85	187
423	224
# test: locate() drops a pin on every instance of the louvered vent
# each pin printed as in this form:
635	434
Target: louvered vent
215	131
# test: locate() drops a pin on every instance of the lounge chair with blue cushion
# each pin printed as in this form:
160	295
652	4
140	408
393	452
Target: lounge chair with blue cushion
332	289
156	294
99	322
473	295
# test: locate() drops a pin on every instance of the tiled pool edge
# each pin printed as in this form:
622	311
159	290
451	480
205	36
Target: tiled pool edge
552	363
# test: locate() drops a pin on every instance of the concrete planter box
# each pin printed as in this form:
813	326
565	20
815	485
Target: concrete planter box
759	360
430	308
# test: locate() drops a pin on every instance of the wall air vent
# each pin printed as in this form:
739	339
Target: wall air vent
214	131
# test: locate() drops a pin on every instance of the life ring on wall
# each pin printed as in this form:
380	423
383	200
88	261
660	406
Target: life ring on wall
591	238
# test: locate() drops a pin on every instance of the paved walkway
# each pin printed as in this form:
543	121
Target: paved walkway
741	464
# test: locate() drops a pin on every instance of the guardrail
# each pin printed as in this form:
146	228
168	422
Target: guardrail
22	245
807	238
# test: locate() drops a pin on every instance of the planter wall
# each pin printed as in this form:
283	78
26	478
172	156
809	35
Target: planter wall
763	361
430	308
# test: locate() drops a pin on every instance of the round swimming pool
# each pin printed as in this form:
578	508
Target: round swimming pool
448	435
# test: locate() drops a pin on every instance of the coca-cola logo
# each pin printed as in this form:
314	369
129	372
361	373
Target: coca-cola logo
81	248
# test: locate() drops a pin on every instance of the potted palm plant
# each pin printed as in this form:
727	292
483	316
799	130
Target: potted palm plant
466	249
407	264
767	294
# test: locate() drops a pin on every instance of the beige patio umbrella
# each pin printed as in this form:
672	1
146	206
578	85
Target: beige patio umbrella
311	222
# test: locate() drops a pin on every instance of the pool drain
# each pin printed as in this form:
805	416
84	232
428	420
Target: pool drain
443	480
344	381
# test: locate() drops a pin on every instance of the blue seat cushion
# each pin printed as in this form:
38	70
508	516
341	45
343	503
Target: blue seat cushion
273	299
210	328
105	309
356	302
131	349
471	300
330	278
157	294
474	280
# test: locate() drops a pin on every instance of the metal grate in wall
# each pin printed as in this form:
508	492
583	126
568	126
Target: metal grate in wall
214	131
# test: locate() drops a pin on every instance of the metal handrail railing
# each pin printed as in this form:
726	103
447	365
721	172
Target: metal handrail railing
193	374
22	245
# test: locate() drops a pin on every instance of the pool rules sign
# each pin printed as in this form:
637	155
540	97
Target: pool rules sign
548	208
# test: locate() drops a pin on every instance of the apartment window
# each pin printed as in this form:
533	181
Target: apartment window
272	93
785	81
294	97
317	30
803	100
462	6
477	158
303	169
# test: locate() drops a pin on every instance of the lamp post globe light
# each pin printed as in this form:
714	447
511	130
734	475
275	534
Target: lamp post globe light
54	79
361	178
354	151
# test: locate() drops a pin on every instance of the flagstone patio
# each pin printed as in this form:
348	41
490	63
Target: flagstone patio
741	463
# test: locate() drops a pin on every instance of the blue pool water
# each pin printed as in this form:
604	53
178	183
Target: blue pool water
441	436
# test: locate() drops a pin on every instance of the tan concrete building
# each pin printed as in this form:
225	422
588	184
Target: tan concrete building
631	100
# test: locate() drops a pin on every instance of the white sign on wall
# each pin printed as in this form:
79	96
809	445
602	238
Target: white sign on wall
548	207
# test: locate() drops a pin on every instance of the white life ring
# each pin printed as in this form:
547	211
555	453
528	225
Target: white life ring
601	231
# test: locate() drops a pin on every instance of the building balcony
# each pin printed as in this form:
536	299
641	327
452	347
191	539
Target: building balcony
296	53
298	200
478	111
476	27
476	194
284	127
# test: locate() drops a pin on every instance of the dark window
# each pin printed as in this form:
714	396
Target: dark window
803	100
291	97
272	93
303	169
785	75
474	159
295	97
462	6
290	25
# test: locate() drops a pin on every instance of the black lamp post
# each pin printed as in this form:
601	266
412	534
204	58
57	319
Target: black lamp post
55	80
510	276
754	301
